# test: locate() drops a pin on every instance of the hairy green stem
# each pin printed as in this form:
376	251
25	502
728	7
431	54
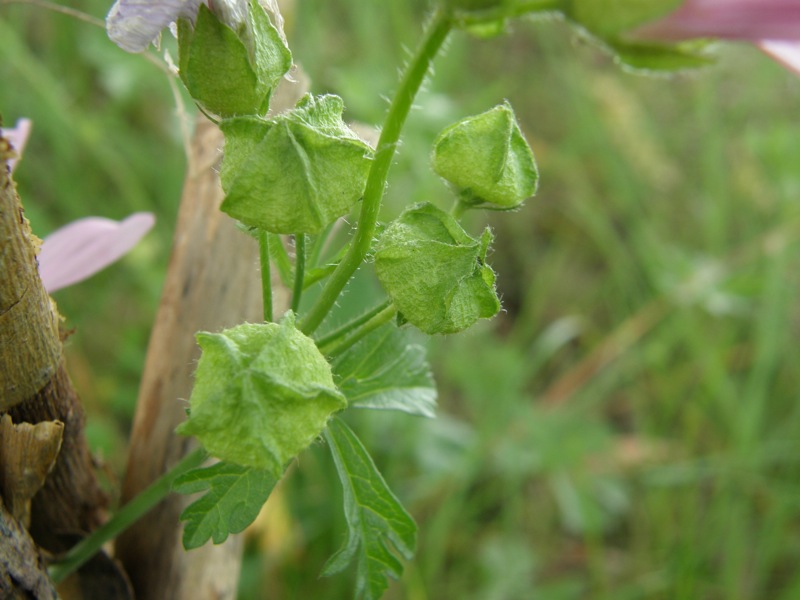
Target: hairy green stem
415	73
341	344
280	259
266	275
124	517
299	270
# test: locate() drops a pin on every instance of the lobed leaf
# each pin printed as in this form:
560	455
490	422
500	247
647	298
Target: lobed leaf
375	517
387	371
233	498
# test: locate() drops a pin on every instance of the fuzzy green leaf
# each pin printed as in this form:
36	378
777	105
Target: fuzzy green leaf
294	173
487	159
233	498
613	18
262	394
231	72
375	517
387	371
434	272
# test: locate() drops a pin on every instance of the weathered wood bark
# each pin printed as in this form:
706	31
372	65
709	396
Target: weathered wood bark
212	283
29	344
34	385
23	574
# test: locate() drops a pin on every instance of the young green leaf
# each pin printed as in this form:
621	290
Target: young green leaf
232	72
434	272
487	159
262	394
387	371
294	173
375	517
611	22
234	496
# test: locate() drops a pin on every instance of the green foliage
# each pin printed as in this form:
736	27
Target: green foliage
262	393
232	72
387	371
375	517
487	159
233	498
705	398
434	272
295	173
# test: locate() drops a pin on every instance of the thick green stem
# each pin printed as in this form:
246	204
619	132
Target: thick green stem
410	84
340	345
266	275
299	270
124	517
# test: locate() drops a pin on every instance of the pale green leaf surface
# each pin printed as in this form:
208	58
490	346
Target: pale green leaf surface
231	73
434	272
233	498
262	394
387	371
375	518
658	58
487	159
296	172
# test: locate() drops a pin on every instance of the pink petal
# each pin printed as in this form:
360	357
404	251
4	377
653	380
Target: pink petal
751	20
84	247
18	137
134	24
786	53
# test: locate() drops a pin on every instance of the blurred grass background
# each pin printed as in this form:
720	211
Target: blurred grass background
629	426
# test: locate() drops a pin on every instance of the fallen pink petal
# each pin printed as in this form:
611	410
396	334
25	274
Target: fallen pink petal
84	247
786	53
18	137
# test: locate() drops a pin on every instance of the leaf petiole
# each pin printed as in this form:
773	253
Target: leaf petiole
341	344
299	270
266	275
126	516
340	332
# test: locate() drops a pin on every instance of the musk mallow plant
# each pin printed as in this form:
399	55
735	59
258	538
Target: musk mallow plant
264	392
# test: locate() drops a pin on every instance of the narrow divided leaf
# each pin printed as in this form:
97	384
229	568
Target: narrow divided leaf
234	496
375	517
386	370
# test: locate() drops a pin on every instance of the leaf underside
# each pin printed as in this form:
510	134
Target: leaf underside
375	518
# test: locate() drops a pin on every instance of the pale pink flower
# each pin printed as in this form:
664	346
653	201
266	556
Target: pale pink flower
84	247
786	53
18	137
772	24
134	24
